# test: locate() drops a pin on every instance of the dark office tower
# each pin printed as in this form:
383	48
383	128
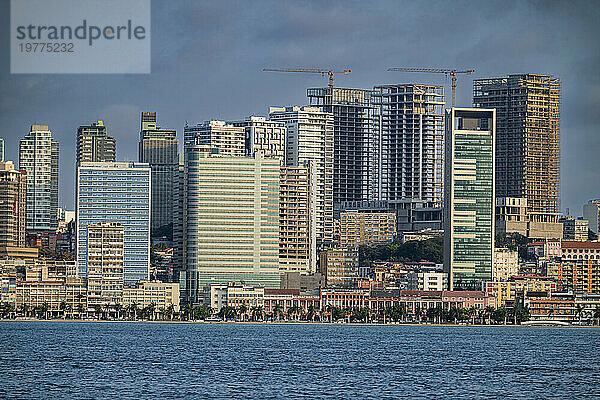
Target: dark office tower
411	140
159	148
94	144
354	144
13	188
528	108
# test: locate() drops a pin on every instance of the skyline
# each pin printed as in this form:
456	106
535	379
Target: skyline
240	41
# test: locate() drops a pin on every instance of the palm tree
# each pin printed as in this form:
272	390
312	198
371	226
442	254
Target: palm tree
488	312
80	309
597	315
69	310
118	310
25	310
63	308
243	309
277	310
579	311
107	310
171	311
44	309
98	310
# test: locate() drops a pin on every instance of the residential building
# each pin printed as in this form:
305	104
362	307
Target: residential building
302	282
591	212
579	270
38	157
411	143
555	306
94	144
215	296
469	191
105	261
355	144
310	139
427	280
575	228
340	266
247	295
159	148
297	219
13	189
231	220
366	228
162	295
516	287
263	135
547	249
230	140
528	108
417	215
69	293
506	264
116	192
285	299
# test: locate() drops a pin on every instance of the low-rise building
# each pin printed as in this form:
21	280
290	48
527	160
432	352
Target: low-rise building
340	266
506	264
429	280
160	294
545	306
575	228
507	292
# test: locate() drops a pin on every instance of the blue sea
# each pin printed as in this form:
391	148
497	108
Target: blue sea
87	360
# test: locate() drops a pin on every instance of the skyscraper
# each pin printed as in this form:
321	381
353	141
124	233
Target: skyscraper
355	142
117	192
159	148
297	220
105	264
94	145
411	143
528	108
1	149
263	135
469	197
231	220
13	188
38	156
310	139
229	139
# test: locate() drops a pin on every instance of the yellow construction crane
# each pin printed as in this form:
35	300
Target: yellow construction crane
451	72
321	71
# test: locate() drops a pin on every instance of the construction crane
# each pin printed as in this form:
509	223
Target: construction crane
451	72
321	71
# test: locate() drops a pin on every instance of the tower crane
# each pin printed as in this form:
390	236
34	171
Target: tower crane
451	72
322	71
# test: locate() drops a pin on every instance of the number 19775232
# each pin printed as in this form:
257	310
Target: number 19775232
42	47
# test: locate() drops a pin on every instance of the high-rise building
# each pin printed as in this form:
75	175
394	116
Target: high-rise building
263	135
360	228
38	156
158	147
355	142
310	138
231	220
105	260
297	220
528	108
13	188
591	212
94	144
229	139
411	143
469	197
1	149
178	211
575	228
340	266
117	192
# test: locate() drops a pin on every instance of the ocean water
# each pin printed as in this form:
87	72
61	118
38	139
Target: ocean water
87	360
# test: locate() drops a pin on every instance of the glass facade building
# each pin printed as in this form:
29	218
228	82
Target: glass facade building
469	197
231	220
117	192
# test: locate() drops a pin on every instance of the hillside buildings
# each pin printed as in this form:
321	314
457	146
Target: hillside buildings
469	194
94	144
158	147
13	189
38	157
117	192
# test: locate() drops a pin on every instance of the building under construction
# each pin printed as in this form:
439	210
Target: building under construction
528	109
411	143
355	142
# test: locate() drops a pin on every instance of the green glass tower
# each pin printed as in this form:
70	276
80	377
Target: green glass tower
469	197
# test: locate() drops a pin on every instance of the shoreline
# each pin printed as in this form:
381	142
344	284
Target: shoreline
284	323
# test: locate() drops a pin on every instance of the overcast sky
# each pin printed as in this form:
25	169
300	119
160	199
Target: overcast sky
207	59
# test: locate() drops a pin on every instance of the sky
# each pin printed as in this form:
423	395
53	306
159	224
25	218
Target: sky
207	60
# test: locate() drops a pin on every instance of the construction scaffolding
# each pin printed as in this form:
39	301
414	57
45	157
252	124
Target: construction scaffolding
528	109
